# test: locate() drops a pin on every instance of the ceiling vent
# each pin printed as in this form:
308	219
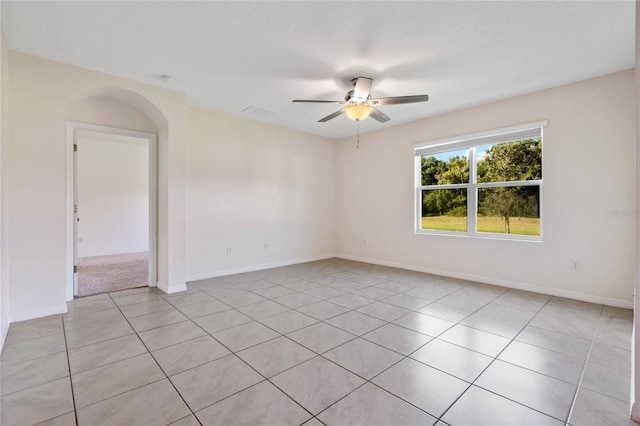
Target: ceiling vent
257	112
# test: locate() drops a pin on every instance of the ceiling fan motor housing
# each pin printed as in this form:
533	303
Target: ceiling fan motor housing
349	96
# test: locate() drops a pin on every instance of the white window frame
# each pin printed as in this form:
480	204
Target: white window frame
471	142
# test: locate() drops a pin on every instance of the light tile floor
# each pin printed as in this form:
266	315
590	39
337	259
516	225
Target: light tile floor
334	342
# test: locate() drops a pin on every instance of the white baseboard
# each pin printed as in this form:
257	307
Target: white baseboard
38	313
171	289
223	272
4	331
496	281
175	289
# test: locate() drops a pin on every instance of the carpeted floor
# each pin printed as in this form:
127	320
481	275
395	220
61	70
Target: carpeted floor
101	274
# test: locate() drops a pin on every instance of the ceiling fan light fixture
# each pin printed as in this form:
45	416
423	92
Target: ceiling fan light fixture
358	112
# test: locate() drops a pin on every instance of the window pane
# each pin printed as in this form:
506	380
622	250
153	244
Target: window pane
444	210
445	168
505	162
509	210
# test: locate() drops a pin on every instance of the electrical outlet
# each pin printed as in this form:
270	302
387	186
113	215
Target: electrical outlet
575	265
266	246
228	252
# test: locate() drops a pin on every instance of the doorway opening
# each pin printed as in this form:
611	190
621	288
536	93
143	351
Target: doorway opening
113	209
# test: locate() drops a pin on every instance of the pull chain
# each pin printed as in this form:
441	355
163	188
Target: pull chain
358	140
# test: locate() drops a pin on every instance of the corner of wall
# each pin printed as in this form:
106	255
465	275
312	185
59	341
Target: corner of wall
494	281
39	313
4	272
635	347
336	179
252	268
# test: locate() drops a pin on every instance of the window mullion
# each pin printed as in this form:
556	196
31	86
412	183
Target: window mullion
472	194
418	183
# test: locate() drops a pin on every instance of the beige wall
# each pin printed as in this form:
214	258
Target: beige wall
588	169
43	94
251	184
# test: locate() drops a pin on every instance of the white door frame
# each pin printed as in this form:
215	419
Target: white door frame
72	134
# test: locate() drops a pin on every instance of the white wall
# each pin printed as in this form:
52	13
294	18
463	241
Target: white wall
108	111
4	182
635	349
588	169
112	195
250	183
43	94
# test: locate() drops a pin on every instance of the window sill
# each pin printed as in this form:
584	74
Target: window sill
482	236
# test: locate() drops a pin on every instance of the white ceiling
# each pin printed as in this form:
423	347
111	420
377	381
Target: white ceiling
227	56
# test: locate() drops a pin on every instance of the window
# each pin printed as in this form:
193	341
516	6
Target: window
487	184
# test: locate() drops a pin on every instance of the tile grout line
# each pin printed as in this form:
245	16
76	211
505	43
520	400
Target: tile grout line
110	363
39	357
268	379
584	368
157	364
316	354
514	339
387	323
407	357
66	347
494	360
246	363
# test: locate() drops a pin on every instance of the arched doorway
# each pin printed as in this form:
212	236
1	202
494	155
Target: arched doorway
115	113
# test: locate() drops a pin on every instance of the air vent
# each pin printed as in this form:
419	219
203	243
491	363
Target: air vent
257	112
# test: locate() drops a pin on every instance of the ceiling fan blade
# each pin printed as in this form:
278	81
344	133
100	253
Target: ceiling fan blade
362	90
311	101
395	100
378	115
332	116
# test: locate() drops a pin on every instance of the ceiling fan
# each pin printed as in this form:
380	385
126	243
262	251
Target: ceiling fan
359	105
